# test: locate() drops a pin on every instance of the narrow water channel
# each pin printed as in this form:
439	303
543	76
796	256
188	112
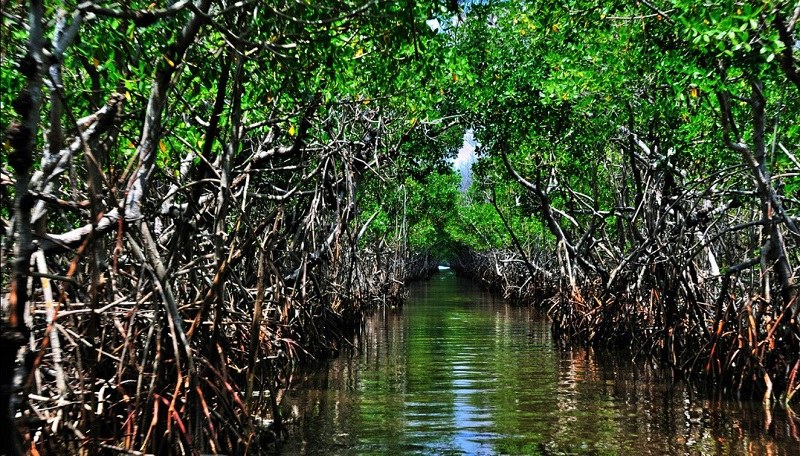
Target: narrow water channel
457	371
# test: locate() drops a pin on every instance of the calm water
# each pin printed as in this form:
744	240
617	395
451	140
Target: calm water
459	372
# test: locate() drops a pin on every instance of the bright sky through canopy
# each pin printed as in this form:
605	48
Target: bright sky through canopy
466	156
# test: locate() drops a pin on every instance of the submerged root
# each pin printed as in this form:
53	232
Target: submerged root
749	349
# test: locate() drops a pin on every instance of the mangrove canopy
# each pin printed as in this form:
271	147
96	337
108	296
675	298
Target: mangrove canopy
201	194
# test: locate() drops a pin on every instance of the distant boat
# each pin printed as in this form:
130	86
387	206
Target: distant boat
443	267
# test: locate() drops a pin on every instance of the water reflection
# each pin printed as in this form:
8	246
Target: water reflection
459	372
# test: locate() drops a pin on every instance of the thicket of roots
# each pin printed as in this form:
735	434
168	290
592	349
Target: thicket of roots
505	273
732	340
696	270
176	330
117	377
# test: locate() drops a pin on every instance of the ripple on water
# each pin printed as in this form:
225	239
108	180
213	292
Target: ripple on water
458	372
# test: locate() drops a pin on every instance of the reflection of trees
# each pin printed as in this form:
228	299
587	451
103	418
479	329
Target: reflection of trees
642	409
324	412
335	405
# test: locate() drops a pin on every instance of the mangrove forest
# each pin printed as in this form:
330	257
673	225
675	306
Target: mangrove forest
204	201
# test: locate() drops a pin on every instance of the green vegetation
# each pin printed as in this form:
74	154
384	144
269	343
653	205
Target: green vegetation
655	143
205	192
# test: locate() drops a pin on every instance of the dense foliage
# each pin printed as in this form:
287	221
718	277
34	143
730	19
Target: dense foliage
656	143
201	192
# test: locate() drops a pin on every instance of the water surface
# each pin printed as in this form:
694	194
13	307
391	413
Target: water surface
458	372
